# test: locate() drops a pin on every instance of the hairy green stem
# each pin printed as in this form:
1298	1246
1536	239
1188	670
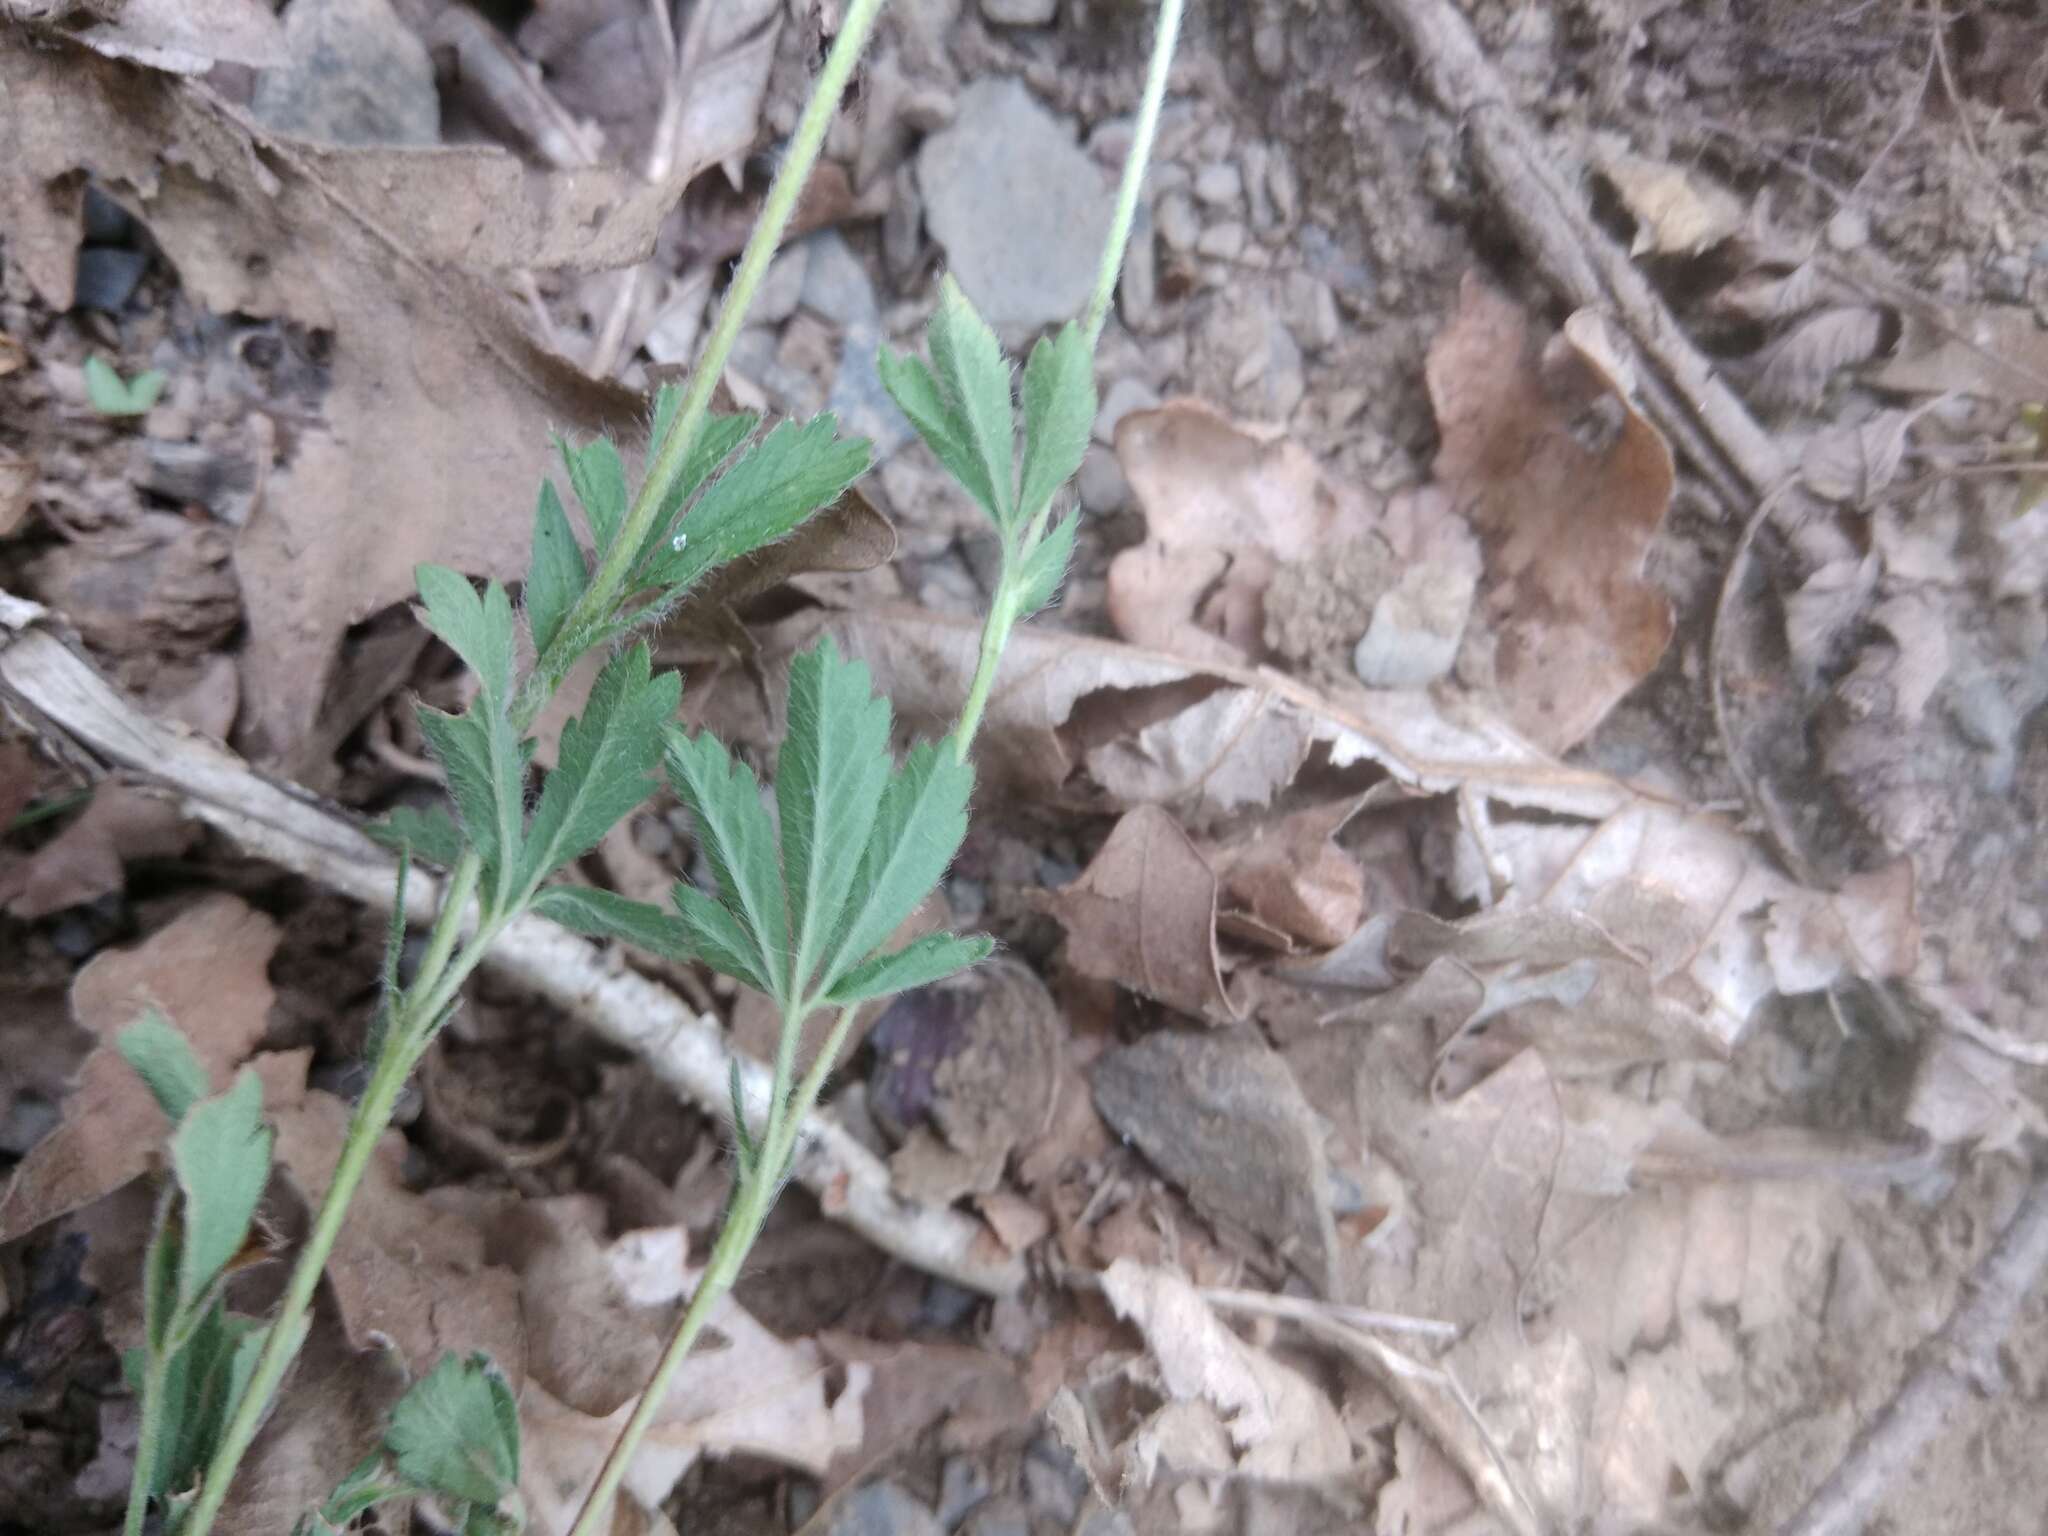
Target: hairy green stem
606	587
1133	185
156	1370
995	637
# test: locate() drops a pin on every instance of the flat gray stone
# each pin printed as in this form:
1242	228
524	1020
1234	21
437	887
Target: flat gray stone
836	284
1020	13
1123	396
1019	208
883	1509
358	75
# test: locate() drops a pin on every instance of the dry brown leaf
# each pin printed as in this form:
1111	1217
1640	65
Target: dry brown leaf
1427	1493
17	491
1852	464
1279	1425
207	972
433	433
1143	914
85	861
17	779
1290	878
1762	297
1566	484
1819	615
1796	368
1677	212
187	37
1225	506
1995	354
973	1392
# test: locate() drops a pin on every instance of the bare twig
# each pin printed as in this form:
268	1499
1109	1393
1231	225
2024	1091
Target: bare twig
57	692
1959	1360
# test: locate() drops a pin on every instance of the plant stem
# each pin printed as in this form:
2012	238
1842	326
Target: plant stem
1163	42
995	636
783	195
156	1372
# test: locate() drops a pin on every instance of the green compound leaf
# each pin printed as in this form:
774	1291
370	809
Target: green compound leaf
162	1057
604	766
111	395
556	574
738	839
715	442
202	1383
916	832
221	1156
769	491
607	915
714	935
975	377
429	835
919	963
598	478
917	395
456	1431
486	770
1038	582
478	629
1059	415
829	783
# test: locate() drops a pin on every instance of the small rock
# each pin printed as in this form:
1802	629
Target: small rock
357	75
107	275
1105	1522
863	406
1053	1480
1006	153
963	1483
1110	142
2005	279
1223	242
1309	308
998	1517
1220	1114
1179	225
782	286
1118	401
1282	184
1101	482
883	1509
106	221
903	227
804	1498
1415	630
1137	288
1269	49
1019	13
1257	195
836	284
1849	230
1220	186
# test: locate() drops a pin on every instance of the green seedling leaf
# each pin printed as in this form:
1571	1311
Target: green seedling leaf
829	783
715	442
603	769
221	1156
1038	582
607	915
931	958
917	830
598	478
557	573
429	835
1059	415
202	1383
163	1059
769	491
917	395
367	1484
712	934
749	1154
975	376
111	395
456	1431
478	629
738	839
486	767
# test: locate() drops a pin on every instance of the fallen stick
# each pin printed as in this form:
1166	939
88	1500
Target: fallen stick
1549	219
1959	1360
55	690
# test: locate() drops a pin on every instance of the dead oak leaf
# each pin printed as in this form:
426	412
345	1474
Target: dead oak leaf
207	971
1566	484
86	860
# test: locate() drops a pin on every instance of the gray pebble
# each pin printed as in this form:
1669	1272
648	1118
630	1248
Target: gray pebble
1020	13
1179	225
963	1483
863	406
883	1509
998	1517
1101	483
1053	1480
836	284
1220	186
107	275
106	221
1224	242
1269	49
357	75
782	286
1310	309
1415	630
1122	397
1137	287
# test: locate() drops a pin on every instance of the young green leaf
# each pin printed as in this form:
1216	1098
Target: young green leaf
712	933
486	771
478	629
1059	415
221	1156
829	782
456	1431
918	829
1045	567
607	915
366	1485
767	493
429	835
916	393
919	963
975	376
603	769
716	440
111	395
599	480
749	1153
163	1059
202	1383
738	839
556	574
